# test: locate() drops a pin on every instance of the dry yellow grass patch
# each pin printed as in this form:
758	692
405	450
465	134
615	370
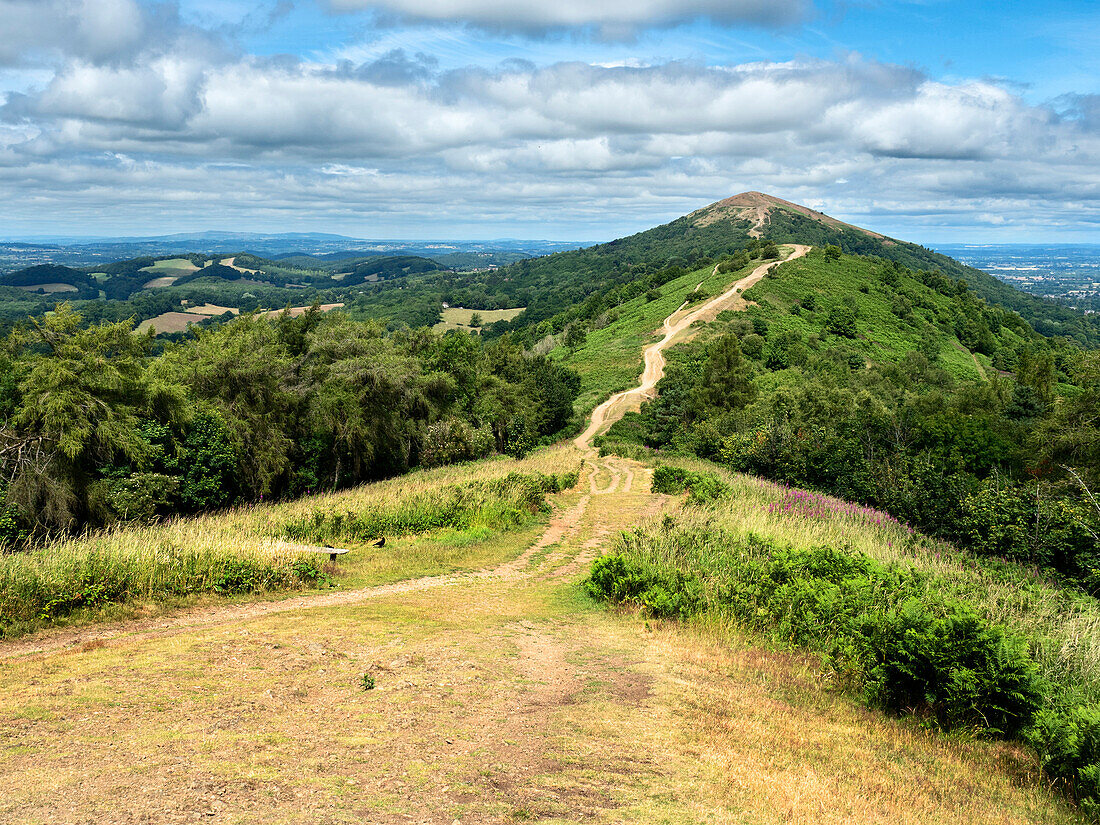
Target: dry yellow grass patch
782	749
459	317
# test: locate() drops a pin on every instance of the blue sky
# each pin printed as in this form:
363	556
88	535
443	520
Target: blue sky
934	121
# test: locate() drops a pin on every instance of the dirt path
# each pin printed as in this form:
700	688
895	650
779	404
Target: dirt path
613	408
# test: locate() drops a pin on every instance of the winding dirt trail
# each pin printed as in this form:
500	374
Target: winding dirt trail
604	478
613	408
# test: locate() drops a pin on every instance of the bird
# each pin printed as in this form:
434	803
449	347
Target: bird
381	542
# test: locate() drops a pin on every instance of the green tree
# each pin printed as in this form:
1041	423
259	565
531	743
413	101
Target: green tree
725	382
575	337
83	397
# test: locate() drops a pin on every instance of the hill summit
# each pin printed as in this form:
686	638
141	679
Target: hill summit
758	208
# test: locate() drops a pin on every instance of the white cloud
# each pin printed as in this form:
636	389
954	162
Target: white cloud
91	29
611	18
274	143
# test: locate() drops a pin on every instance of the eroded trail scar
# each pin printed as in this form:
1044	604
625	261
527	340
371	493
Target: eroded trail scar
613	408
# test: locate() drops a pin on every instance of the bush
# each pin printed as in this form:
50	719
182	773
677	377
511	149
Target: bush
953	666
701	487
664	594
842	321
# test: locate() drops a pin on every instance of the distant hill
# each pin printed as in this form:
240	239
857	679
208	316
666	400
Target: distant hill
52	279
550	285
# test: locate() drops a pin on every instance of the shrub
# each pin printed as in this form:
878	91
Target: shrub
946	661
701	487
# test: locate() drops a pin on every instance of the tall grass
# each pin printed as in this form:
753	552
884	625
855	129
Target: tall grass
755	556
258	547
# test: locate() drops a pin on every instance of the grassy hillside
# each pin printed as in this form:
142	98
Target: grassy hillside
900	389
434	521
908	624
1048	318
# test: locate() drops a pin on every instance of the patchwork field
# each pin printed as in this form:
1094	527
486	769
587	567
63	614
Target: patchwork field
211	309
170	322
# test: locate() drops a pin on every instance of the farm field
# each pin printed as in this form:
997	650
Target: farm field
459	317
170	322
49	288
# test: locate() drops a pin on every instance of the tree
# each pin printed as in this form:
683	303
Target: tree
726	380
82	402
475	320
575	337
842	321
1071	436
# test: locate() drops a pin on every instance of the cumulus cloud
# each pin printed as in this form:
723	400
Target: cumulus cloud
611	18
203	132
91	29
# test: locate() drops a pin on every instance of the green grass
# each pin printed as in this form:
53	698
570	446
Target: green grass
611	358
171	266
452	516
459	317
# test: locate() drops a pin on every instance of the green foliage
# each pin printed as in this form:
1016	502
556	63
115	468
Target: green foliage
945	658
1067	741
366	681
44	587
95	431
842	321
909	651
901	417
701	487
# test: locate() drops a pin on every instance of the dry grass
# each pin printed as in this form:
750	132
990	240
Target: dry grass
459	317
49	288
1020	599
187	557
169	322
495	702
211	309
296	311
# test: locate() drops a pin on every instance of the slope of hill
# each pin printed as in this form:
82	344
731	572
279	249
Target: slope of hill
599	275
621	717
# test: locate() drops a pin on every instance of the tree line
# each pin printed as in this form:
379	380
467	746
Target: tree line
95	428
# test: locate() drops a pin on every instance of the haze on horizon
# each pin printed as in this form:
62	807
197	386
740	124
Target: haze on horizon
935	121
